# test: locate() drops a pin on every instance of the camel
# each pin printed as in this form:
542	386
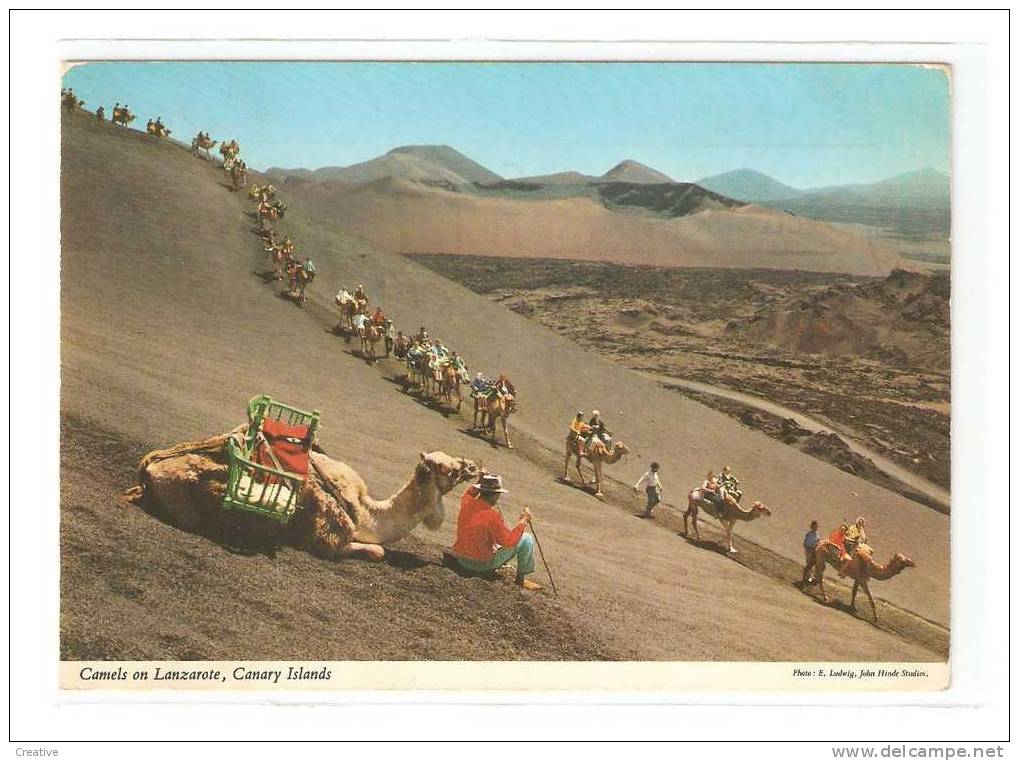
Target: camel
298	281
239	175
157	129
449	384
186	483
371	334
262	193
418	372
229	151
730	513
861	568
70	101
500	408
271	212
347	312
122	116
200	143
598	453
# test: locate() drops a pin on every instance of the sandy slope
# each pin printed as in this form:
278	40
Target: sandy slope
410	217
166	333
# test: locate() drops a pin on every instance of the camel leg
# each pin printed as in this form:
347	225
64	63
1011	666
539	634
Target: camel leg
505	433
566	466
580	470
852	597
819	575
597	480
873	608
728	535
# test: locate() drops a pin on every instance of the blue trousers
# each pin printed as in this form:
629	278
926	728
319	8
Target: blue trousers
523	552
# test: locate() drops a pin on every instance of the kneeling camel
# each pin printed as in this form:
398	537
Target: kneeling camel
336	516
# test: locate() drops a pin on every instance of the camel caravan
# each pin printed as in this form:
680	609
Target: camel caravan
269	477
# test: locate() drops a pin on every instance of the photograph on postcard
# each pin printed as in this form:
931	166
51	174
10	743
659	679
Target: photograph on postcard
459	362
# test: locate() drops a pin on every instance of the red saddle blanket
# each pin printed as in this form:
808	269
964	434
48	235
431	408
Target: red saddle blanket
291	444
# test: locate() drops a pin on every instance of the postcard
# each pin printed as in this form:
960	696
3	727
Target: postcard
505	375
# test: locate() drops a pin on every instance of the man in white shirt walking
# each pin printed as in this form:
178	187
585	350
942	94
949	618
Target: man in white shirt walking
652	487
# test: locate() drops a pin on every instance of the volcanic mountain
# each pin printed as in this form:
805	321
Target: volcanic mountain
438	163
669	224
748	185
629	170
168	328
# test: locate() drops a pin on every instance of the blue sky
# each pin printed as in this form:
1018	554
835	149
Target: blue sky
803	124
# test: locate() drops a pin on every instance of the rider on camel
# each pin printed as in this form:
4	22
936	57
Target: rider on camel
579	431
480	386
711	489
506	389
729	484
379	318
598	430
401	345
459	365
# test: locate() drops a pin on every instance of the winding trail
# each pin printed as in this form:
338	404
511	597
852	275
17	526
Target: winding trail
922	485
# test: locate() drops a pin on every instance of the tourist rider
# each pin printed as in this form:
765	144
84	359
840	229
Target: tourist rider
579	431
480	386
652	487
598	430
711	489
483	540
729	485
379	317
855	536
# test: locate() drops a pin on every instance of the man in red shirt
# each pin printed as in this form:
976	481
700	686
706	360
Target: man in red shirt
483	540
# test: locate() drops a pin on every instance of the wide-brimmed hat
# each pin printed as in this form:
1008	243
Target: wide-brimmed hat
491	484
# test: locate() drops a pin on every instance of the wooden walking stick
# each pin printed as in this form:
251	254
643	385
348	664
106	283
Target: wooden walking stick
542	554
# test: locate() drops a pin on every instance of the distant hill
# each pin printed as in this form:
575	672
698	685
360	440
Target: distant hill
422	163
633	171
667	199
559	178
668	224
914	204
748	185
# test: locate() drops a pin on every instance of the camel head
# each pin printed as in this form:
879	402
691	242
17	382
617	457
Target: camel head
444	471
761	508
906	562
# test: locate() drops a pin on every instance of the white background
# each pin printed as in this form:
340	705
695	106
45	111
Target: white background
974	709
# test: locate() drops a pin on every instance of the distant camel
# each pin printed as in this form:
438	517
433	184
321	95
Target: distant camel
70	101
348	309
371	334
449	384
229	151
271	213
200	143
598	454
299	280
122	116
729	513
498	407
186	485
157	129
861	568
239	175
